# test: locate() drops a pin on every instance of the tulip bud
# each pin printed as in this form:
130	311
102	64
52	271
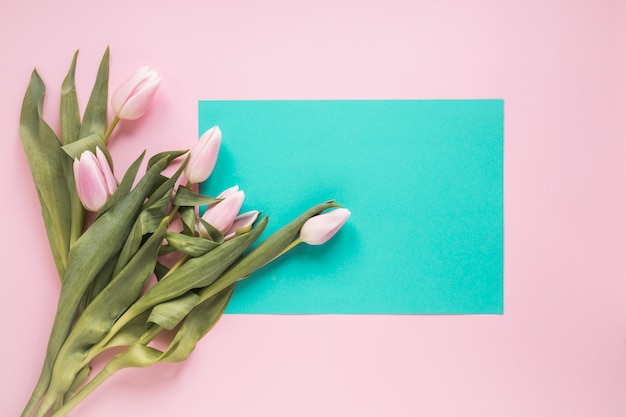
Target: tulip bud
132	97
203	156
222	215
320	228
242	221
94	179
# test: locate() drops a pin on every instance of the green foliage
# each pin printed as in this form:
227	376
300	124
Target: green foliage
108	295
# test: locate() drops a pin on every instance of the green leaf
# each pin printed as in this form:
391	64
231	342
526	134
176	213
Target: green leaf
77	216
80	378
137	356
100	281
189	245
158	202
89	143
188	216
170	313
95	117
48	165
196	325
152	214
186	197
170	155
214	234
70	131
130	248
130	333
166	249
69	113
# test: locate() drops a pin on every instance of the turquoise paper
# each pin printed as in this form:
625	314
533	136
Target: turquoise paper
422	178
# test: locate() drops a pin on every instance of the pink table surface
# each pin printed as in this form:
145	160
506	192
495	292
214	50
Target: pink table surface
560	347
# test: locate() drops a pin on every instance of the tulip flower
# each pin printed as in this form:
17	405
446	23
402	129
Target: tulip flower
318	229
132	97
94	179
242	221
203	156
222	215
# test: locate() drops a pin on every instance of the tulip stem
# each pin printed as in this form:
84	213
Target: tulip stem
109	130
152	332
84	392
284	251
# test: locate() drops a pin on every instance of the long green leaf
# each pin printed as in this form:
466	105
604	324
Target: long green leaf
70	129
189	245
214	234
69	113
170	313
48	167
130	333
77	211
188	216
169	154
88	143
186	197
99	282
95	117
196	325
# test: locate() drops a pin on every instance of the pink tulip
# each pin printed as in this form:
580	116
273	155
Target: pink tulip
94	179
320	228
222	215
132	97
203	156
241	221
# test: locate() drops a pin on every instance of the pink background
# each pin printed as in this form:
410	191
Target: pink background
560	66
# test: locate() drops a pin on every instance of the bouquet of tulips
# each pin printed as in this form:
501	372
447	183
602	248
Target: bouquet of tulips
128	274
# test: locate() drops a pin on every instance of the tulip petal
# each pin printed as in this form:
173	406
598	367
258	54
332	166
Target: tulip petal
131	99
318	229
242	221
90	183
123	92
203	156
228	192
223	214
137	104
105	168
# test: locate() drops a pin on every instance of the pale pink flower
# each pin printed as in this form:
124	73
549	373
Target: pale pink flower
94	179
222	215
203	156
320	228
132	97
